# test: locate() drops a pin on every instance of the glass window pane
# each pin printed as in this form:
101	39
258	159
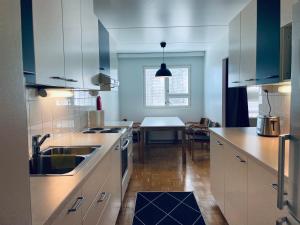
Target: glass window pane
179	82
178	101
155	89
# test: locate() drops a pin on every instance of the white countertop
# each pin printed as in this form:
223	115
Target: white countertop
50	194
262	149
162	122
122	124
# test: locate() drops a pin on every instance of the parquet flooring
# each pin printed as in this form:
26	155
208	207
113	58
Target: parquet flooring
163	171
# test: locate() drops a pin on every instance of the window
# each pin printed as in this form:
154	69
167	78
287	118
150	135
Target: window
167	92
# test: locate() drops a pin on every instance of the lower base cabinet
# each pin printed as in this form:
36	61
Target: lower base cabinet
71	214
235	187
98	200
248	188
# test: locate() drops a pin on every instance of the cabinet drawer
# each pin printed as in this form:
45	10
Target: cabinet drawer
97	208
71	214
94	182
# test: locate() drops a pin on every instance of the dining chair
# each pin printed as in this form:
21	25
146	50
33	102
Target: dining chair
201	136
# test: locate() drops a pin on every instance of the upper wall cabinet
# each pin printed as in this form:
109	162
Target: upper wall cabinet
234	51
90	45
104	51
259	61
42	37
72	43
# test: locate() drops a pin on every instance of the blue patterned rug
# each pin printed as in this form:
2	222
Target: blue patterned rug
167	208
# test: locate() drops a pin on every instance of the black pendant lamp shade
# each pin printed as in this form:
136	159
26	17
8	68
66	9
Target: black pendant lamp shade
163	71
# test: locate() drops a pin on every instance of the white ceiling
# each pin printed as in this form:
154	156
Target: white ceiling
186	25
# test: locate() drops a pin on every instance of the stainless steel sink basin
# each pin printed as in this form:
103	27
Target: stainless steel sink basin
57	165
61	160
68	150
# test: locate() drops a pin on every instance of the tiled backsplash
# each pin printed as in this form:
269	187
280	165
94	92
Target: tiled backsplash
281	104
57	115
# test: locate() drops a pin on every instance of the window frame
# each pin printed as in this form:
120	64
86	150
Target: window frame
167	95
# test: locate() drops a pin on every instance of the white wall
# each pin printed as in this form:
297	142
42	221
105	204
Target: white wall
213	79
132	87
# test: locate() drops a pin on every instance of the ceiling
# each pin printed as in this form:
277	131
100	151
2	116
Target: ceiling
186	25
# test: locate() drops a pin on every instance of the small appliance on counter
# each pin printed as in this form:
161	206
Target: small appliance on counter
267	125
96	118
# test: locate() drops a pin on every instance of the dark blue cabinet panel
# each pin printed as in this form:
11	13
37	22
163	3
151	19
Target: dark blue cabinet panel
28	42
268	42
104	49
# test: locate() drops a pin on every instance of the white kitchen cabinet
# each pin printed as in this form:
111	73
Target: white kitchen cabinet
286	12
217	170
72	43
113	187
234	51
248	44
262	204
71	214
48	42
90	45
235	187
93	184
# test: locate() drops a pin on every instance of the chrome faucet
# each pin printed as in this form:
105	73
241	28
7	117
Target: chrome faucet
36	149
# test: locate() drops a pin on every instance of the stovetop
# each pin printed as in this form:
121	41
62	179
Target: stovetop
103	130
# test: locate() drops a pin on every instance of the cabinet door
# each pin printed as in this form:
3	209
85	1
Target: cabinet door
113	186
234	51
72	43
262	200
48	42
90	45
248	44
217	171
104	49
71	214
235	187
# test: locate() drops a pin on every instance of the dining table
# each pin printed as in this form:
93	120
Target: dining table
149	124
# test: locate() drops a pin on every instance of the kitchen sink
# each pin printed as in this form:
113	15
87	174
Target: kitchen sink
57	165
61	160
74	150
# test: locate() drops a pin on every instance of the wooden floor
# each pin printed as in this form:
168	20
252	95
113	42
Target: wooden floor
163	171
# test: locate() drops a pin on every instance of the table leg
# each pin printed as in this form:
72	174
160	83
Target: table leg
142	146
183	147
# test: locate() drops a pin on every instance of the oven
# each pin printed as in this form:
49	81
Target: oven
124	156
127	159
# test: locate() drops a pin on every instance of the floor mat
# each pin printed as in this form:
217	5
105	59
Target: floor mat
167	208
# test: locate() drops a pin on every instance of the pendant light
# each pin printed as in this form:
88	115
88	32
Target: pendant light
163	71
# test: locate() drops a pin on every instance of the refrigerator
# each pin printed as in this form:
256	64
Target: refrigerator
290	201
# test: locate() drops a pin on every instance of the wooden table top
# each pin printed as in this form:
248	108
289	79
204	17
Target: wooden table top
153	122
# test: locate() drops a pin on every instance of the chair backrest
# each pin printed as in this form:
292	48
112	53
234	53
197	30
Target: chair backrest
205	121
214	124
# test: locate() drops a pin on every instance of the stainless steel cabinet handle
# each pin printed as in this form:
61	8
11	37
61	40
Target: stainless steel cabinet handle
239	158
76	205
102	197
281	202
58	78
219	143
72	80
281	221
